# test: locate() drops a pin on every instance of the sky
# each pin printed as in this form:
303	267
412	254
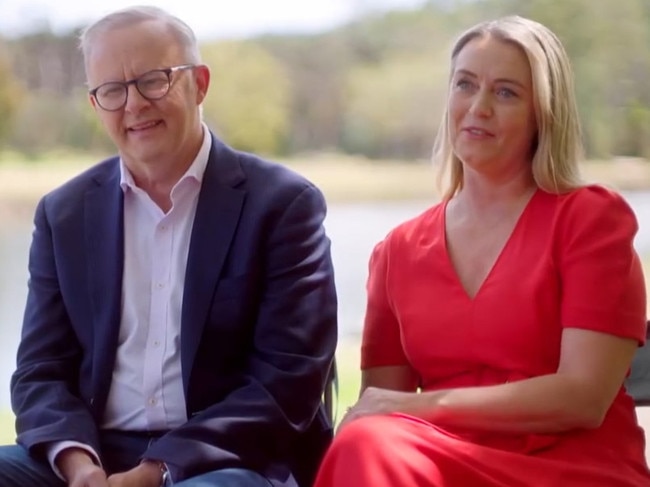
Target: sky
210	19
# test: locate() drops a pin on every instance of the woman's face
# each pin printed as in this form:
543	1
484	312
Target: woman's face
492	122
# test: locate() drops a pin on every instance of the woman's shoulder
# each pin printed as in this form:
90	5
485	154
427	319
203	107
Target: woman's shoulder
594	206
410	232
424	223
593	197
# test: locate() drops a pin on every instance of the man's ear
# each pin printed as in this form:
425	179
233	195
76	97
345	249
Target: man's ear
202	79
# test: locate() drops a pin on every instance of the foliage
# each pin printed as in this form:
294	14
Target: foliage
375	86
11	94
316	68
393	107
48	121
606	41
248	101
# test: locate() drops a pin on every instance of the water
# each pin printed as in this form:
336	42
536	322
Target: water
353	228
14	242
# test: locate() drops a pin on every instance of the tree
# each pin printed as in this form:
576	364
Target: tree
248	101
607	43
394	108
11	95
316	67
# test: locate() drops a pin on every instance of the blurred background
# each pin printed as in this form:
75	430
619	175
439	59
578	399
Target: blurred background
348	92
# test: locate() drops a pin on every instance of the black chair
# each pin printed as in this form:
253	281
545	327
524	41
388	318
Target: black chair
638	382
331	394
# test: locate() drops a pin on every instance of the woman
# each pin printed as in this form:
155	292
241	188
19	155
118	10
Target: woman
501	322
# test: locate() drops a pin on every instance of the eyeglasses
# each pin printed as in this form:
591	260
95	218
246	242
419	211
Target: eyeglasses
152	85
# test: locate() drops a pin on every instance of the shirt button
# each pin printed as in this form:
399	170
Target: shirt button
152	401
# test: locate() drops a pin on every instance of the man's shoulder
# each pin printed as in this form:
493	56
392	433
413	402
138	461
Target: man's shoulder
264	178
261	168
93	174
236	166
77	186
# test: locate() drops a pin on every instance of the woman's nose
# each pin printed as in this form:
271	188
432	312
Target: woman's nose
481	104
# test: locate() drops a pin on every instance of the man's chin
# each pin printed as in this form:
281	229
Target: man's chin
142	156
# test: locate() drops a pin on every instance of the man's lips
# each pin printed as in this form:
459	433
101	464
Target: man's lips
143	126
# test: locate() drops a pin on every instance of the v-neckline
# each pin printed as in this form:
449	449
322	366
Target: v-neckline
497	260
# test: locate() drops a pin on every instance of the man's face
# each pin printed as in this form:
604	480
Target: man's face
148	131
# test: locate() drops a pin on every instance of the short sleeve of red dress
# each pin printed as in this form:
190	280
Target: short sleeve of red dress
381	344
601	275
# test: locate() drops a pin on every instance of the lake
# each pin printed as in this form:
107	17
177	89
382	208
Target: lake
353	228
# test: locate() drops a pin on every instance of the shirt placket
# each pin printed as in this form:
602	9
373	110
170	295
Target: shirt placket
156	333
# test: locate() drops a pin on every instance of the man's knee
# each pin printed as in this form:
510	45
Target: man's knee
19	469
12	456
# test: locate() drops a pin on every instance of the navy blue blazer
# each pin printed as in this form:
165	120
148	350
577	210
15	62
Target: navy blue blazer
258	329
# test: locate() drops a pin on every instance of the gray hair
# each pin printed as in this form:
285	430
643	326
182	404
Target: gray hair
126	17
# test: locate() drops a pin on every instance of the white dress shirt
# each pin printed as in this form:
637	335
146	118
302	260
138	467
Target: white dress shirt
146	392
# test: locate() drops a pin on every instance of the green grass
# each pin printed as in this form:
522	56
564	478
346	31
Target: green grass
347	361
7	432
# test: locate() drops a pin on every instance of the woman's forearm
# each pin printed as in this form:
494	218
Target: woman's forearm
545	404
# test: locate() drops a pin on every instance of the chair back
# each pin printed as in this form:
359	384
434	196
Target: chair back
331	394
638	382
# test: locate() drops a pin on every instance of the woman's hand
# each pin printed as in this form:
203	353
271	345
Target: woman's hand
375	401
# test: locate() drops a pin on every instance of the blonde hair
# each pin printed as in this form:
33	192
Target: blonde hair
126	17
558	146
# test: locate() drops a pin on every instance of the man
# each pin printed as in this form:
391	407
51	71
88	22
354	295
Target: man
181	315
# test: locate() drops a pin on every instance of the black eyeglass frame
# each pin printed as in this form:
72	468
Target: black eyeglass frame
134	81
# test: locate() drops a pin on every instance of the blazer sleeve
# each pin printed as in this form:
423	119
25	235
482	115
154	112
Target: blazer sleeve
292	349
49	357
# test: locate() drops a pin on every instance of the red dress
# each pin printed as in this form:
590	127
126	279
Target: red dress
569	262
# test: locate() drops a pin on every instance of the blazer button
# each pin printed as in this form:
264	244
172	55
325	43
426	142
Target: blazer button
92	401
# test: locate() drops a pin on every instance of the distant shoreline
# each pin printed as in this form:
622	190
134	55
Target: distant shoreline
343	179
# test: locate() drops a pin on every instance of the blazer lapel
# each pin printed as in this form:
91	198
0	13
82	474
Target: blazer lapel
217	215
104	236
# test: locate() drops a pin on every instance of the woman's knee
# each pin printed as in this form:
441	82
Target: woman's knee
368	433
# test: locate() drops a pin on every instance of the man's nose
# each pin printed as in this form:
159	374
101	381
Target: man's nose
134	99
